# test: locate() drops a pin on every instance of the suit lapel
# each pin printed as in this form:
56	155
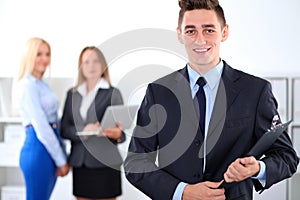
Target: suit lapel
228	90
91	113
230	78
76	103
182	90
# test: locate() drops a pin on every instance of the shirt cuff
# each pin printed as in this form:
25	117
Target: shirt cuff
262	173
179	191
60	161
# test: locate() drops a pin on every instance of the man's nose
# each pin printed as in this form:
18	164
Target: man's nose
200	39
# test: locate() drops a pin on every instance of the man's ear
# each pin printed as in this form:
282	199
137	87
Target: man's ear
225	33
179	36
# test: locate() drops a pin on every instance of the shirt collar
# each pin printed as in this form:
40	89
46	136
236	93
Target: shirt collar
212	77
32	78
102	83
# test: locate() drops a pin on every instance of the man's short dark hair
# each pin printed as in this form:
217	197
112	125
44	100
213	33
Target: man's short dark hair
188	5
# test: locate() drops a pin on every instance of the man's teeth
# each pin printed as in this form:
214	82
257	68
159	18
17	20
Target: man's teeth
200	50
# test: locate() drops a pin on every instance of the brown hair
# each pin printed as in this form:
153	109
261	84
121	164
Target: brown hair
103	62
188	5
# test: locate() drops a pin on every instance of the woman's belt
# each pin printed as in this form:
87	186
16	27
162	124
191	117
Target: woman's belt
53	125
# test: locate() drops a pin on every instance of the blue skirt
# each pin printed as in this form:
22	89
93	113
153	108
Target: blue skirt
38	168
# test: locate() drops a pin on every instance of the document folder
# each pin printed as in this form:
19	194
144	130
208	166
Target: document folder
123	114
267	140
264	143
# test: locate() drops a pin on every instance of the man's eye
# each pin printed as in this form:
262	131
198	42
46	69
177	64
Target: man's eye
210	31
190	32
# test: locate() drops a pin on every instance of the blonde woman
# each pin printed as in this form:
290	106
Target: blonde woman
95	160
42	156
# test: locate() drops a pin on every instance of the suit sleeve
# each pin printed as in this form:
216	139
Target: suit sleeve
139	165
281	159
117	99
68	129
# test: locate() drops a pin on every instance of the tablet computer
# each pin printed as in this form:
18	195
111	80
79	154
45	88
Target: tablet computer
123	114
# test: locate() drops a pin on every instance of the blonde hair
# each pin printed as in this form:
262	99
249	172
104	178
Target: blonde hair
105	73
29	56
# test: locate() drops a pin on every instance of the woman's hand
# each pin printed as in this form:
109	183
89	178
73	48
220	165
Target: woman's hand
63	170
113	133
91	127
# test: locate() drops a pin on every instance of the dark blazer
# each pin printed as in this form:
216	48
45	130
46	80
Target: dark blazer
93	152
167	133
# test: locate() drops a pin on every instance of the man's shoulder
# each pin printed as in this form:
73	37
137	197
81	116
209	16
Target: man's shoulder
171	77
244	75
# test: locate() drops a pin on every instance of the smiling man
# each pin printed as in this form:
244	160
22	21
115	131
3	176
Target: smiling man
195	126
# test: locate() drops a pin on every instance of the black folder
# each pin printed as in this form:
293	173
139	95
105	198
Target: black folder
267	140
264	143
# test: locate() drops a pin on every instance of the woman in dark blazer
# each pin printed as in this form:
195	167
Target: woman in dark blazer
95	159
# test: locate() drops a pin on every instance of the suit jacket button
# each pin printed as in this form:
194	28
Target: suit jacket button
197	142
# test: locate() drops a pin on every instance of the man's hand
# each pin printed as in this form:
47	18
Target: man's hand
203	190
241	169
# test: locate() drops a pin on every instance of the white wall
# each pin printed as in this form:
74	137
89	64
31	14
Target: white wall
264	35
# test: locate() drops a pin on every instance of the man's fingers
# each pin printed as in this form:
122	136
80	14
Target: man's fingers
213	185
247	160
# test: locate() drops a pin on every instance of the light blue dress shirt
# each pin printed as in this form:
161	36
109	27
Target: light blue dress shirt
38	106
212	78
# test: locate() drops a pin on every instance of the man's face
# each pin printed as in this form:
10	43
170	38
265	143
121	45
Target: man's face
201	33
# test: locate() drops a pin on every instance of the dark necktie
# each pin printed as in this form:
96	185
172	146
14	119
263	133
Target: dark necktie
202	102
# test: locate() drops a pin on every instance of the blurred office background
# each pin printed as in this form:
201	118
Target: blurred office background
139	40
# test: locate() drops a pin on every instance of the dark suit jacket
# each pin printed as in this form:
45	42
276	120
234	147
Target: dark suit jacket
94	152
167	133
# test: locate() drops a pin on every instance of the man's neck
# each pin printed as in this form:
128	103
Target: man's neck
203	69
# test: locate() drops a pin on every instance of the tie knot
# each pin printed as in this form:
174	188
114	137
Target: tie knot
201	81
